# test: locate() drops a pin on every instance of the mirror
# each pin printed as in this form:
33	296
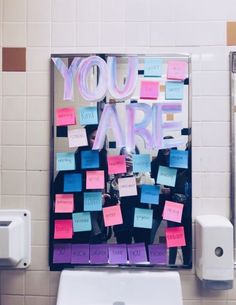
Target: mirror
120	161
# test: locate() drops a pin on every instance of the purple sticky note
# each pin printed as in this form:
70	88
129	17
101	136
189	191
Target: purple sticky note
98	254
80	254
137	253
157	254
117	254
61	253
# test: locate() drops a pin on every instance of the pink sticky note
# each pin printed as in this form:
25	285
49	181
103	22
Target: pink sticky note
175	237
65	116
127	186
173	211
177	70
112	216
149	90
64	203
77	137
94	180
116	165
63	229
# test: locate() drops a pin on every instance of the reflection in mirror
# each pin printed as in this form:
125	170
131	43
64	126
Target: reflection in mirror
121	161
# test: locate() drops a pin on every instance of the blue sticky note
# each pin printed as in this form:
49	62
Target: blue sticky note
166	176
179	158
150	193
143	218
92	201
88	115
81	222
89	159
141	163
72	182
65	161
174	90
153	67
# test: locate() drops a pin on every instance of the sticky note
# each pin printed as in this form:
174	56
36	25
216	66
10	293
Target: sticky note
177	70
92	201
137	253
72	183
149	90
65	161
127	186
150	193
94	180
174	90
166	176
112	215
89	159
61	253
88	115
117	254
79	254
65	116
157	254
77	137
64	203
179	158
143	218
173	211
141	163
81	222
116	165
153	67
175	237
63	229
99	254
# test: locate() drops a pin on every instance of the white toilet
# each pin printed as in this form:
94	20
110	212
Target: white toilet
119	287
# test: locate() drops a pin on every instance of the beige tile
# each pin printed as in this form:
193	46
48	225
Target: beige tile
13	202
40	233
14	34
113	12
14	83
14	10
12	300
59	7
13	282
39	258
38	133
38	83
38	59
63	34
39	11
14	108
36	300
53	301
38	108
38	206
13	182
34	162
191	287
13	157
54	283
192	302
37	283
39	34
37	183
88	33
13	133
107	34
214	302
89	10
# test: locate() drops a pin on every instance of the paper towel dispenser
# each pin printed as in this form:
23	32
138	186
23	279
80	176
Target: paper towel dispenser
214	251
15	239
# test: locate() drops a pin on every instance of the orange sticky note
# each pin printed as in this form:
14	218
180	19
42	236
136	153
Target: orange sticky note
64	203
177	70
63	229
116	165
175	237
149	90
112	216
94	180
173	211
65	116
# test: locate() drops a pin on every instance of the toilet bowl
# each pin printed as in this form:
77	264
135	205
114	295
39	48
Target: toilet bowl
119	287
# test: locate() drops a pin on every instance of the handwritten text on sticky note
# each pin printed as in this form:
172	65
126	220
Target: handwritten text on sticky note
149	90
81	222
177	70
98	254
63	229
153	67
174	90
92	201
112	216
64	203
116	165
117	254
61	253
65	161
89	159
173	211
150	193
143	218
65	116
72	183
88	115
137	253
179	158
166	176
141	163
79	254
77	137
94	180
127	186
157	254
175	237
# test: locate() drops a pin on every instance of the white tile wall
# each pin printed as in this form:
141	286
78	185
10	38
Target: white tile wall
137	26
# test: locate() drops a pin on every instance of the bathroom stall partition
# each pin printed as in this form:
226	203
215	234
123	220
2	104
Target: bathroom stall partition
120	189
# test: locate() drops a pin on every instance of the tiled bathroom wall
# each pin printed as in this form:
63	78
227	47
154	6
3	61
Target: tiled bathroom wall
37	28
